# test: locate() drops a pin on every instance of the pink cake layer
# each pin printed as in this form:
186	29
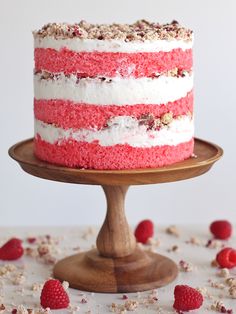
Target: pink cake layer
75	154
111	64
66	114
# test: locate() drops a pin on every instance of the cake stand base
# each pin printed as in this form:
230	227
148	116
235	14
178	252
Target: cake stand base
118	264
137	272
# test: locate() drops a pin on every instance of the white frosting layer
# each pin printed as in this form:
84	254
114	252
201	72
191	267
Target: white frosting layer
120	91
121	130
89	45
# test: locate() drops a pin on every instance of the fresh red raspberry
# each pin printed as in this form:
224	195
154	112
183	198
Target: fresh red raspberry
226	258
31	240
11	250
187	298
144	231
54	295
221	229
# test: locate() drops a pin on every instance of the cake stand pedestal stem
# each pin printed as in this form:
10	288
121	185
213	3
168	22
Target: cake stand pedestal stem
115	238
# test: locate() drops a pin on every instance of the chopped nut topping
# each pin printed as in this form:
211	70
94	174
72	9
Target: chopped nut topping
139	31
45	75
153	123
167	118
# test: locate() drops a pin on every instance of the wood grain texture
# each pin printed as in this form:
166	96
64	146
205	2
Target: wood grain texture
137	272
115	238
207	154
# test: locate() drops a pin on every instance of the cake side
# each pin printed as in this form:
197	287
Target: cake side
103	97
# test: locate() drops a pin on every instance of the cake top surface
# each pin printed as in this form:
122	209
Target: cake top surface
139	31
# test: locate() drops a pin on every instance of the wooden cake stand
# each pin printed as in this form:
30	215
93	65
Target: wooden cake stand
118	264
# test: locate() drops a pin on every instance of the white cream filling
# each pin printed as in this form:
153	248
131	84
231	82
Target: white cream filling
120	91
89	45
121	130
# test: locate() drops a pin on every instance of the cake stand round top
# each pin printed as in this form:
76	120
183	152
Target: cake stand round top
205	155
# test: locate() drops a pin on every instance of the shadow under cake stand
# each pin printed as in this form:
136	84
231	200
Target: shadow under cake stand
118	264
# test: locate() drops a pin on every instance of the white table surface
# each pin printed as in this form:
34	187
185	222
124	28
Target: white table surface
74	239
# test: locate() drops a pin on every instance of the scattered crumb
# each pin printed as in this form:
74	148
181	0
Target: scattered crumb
31	252
185	266
65	285
131	305
18	279
214	244
37	287
153	242
73	308
173	230
2	308
218	306
224	272
22	310
194	241
6	269
204	291
231	281
174	248
232	292
43	311
214	263
217	285
43	249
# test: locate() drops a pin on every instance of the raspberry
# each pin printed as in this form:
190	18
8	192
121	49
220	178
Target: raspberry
187	298
144	231
31	240
221	229
53	295
226	258
11	250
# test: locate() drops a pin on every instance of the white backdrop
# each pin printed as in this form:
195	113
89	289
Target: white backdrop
25	200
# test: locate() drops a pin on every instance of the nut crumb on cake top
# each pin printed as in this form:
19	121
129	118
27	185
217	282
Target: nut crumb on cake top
139	31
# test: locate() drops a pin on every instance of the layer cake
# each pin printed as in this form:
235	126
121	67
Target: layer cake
113	96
